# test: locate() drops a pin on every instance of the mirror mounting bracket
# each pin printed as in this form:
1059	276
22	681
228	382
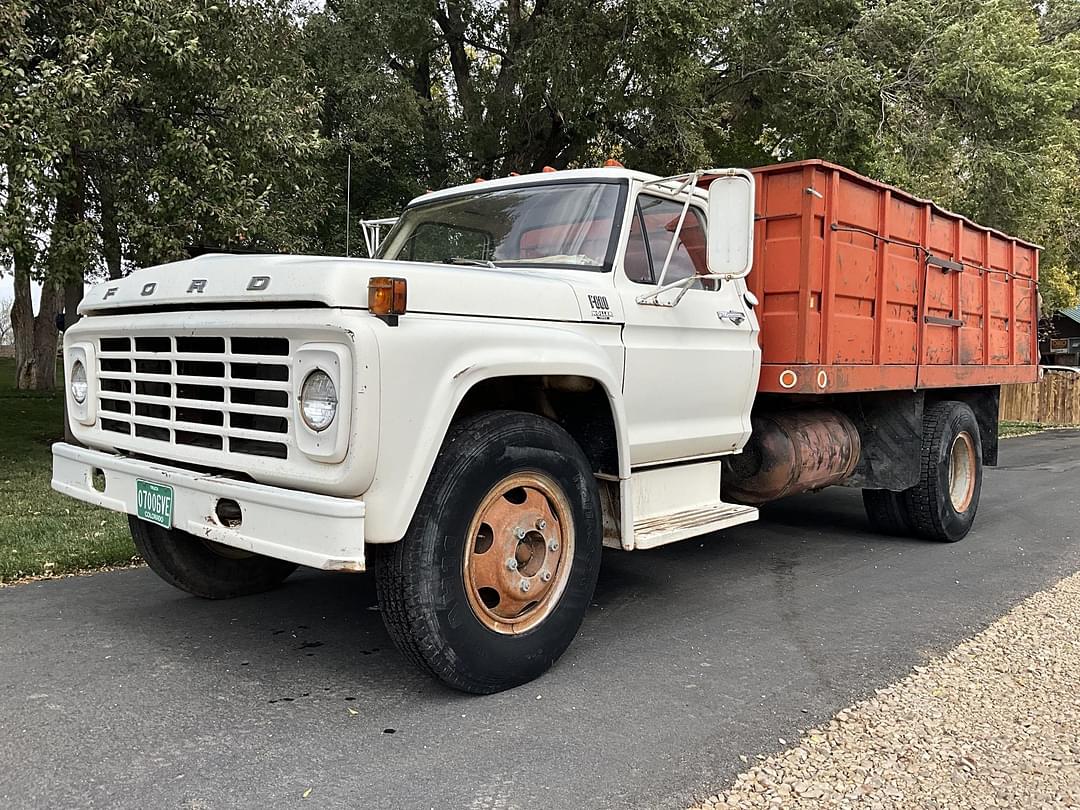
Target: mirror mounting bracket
684	187
682	285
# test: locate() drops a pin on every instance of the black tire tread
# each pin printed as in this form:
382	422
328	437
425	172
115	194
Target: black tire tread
399	599
195	569
921	501
885	511
399	607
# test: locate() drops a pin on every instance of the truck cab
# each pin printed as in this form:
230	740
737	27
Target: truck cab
529	369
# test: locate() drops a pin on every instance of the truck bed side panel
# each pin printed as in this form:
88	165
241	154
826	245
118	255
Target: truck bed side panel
863	287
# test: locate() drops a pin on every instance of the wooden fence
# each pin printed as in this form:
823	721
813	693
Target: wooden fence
1054	400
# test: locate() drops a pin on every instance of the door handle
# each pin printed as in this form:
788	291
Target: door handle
732	315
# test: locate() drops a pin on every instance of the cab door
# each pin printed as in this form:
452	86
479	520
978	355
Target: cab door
691	369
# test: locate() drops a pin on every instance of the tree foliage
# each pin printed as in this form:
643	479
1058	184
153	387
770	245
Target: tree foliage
973	105
131	131
970	104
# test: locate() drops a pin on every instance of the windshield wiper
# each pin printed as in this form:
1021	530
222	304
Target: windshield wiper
471	262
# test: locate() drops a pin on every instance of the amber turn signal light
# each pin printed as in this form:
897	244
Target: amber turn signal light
386	297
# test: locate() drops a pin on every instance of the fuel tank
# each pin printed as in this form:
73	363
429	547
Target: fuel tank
791	452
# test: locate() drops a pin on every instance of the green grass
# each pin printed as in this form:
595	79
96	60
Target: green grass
42	531
1008	428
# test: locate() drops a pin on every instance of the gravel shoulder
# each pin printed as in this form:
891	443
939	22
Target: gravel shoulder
994	723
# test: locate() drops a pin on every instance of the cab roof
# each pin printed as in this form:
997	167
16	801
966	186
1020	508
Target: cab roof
607	173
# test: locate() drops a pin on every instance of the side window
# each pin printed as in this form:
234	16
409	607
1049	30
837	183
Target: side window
637	263
650	238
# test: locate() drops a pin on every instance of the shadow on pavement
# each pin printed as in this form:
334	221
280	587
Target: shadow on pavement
321	628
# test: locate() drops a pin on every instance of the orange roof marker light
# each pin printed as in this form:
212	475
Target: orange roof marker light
479	180
547	169
612	163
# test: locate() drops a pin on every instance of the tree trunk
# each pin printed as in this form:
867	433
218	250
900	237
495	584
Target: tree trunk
438	164
73	294
110	231
68	263
35	336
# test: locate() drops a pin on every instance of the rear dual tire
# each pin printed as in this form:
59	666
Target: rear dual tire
942	505
885	511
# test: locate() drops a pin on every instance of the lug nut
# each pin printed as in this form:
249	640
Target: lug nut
519	533
512	564
546	576
554	545
541	524
524	584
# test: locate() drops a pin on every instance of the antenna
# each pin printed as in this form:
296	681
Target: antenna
348	202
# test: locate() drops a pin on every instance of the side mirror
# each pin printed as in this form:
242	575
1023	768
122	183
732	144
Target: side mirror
731	223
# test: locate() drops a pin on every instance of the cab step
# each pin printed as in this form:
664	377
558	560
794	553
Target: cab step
677	502
660	529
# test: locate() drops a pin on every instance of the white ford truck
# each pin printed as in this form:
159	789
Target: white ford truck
533	368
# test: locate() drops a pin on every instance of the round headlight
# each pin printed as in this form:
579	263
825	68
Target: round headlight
318	400
78	383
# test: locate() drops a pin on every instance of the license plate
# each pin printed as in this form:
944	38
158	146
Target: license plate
154	502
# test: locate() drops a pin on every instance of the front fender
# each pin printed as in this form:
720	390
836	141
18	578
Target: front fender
429	363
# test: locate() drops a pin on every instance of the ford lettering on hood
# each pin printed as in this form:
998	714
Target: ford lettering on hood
229	281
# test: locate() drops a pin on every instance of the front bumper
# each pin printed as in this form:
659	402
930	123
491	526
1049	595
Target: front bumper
320	531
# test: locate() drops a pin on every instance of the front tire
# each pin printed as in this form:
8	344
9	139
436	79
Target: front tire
943	504
204	568
492	580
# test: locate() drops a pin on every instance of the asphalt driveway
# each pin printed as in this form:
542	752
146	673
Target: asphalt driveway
118	691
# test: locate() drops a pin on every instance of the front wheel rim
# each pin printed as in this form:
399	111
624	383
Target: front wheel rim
519	552
962	467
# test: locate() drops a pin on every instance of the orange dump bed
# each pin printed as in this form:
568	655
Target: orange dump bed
863	287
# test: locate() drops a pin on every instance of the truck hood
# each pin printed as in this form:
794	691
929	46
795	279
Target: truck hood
214	281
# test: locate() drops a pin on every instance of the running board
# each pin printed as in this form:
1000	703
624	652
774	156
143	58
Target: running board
658	530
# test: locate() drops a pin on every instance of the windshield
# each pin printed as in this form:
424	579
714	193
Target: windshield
544	225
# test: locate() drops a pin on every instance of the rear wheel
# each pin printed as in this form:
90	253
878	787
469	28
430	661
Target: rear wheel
943	504
202	567
490	583
885	511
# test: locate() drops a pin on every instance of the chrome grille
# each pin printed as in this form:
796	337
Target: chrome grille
226	393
